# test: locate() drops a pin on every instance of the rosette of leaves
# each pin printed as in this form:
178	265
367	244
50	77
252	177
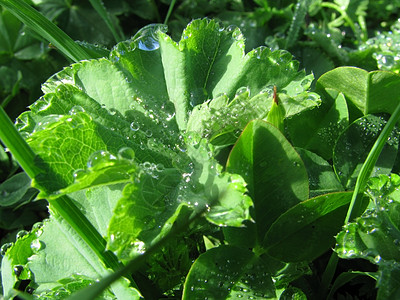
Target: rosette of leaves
127	150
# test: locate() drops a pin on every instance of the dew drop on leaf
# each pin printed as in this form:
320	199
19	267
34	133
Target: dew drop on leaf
37	245
21	234
146	39
377	259
126	153
99	157
148	133
76	109
79	174
18	270
148	44
4	248
38	227
242	90
134	126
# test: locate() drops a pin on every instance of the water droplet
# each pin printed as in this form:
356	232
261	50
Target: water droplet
46	121
18	270
148	133
126	153
112	111
37	245
147	39
258	52
377	259
79	174
21	234
38	227
4	248
100	157
134	126
76	109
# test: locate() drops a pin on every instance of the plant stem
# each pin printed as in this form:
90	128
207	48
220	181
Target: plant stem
45	28
171	7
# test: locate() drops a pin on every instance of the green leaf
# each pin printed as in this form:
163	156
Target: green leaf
228	272
142	211
221	120
223	194
13	189
14	262
276	176
224	67
322	178
365	92
388	281
146	209
77	258
318	129
307	230
354	144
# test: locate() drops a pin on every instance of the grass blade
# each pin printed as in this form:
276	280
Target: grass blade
17	145
371	159
45	28
171	7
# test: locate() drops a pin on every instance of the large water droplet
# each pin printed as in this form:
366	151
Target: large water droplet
46	121
79	174
37	245
134	126
76	109
18	270
4	248
38	227
147	39
21	234
126	153
100	157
